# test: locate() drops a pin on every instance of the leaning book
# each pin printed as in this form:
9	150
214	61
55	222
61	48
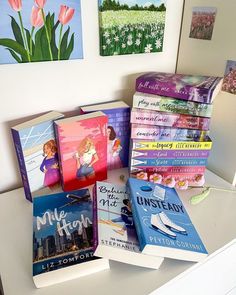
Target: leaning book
63	238
162	222
115	234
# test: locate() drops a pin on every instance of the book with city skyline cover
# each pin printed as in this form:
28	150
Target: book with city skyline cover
63	238
115	236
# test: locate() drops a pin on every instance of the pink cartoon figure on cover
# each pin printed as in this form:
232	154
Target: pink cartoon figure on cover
86	157
50	166
113	149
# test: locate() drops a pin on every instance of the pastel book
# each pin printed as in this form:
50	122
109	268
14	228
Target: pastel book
37	154
171	105
83	149
167	169
139	131
170	154
168	162
63	238
115	234
201	89
118	113
162	222
156	118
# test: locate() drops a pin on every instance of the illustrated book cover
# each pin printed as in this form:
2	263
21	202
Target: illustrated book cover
83	154
63	238
37	154
118	129
162	222
201	89
115	232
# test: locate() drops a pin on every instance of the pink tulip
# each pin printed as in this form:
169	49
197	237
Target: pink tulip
36	17
182	184
40	3
156	178
169	181
15	4
65	15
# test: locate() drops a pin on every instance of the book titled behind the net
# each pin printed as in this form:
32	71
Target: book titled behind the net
63	238
164	225
115	234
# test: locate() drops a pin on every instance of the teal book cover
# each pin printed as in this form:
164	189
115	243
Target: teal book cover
163	225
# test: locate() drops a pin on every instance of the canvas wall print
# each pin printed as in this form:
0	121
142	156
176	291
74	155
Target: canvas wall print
40	30
229	82
131	27
203	20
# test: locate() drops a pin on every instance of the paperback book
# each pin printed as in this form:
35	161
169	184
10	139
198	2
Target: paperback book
157	118
83	154
63	238
162	222
201	89
115	234
167	162
118	129
171	105
37	154
169	169
156	133
170	154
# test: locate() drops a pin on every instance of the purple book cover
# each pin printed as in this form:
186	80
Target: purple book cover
194	88
170	154
118	135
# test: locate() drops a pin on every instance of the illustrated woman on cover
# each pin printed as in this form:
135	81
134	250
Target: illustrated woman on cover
86	157
113	149
49	165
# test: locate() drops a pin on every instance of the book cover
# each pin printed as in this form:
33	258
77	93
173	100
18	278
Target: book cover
37	154
171	105
157	118
116	236
164	225
83	149
63	237
170	154
118	129
201	89
169	169
167	162
139	131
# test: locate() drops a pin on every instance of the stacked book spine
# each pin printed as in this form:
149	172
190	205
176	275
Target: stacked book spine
170	141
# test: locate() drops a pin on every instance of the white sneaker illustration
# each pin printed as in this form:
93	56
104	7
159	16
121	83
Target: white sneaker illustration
170	224
157	224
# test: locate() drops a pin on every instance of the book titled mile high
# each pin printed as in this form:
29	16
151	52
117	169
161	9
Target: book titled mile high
162	223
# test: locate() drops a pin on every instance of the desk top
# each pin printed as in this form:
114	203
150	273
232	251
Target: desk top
214	219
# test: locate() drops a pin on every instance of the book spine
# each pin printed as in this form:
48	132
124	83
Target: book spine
167	169
169	120
171	145
171	105
21	162
166	133
95	218
170	154
137	222
168	162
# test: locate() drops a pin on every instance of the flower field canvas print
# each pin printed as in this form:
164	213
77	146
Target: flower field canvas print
229	81
131	26
203	20
40	30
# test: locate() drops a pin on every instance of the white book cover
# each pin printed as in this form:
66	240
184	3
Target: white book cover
115	233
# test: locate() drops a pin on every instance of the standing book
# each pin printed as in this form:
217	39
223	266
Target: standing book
118	113
162	222
201	89
37	155
83	149
63	238
115	234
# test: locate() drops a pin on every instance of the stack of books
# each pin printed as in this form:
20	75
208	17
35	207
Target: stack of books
170	121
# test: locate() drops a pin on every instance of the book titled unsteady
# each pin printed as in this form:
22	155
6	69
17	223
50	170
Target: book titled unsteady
162	222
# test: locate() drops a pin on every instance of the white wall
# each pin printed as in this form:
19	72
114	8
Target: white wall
30	89
209	58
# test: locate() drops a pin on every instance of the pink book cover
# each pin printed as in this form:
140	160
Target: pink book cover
82	142
169	169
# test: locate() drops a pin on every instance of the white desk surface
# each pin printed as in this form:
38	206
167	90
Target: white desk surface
214	218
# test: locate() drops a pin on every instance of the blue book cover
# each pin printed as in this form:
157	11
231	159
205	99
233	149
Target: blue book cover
167	162
162	223
62	231
118	129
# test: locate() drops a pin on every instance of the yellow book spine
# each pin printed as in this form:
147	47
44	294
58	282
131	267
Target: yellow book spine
172	145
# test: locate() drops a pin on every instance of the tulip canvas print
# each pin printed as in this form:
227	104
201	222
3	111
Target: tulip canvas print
131	27
40	30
